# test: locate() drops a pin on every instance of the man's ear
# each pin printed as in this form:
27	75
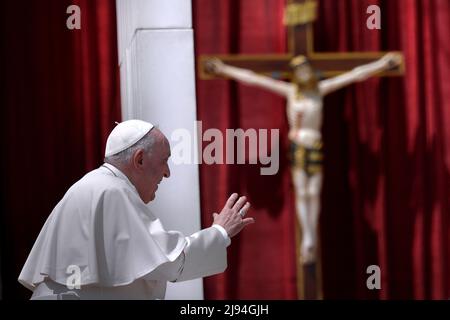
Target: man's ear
138	158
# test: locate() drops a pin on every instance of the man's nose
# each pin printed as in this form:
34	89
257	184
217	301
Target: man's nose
167	172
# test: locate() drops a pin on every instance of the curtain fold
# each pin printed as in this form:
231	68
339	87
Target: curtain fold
387	157
262	258
60	98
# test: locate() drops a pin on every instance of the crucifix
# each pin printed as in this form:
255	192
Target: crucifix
304	112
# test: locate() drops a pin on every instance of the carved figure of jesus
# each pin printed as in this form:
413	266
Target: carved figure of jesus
304	95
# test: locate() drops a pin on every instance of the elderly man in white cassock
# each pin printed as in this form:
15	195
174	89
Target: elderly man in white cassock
103	228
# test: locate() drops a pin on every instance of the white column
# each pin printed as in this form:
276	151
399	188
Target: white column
156	58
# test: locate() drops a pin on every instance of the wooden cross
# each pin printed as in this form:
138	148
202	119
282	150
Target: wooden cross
299	17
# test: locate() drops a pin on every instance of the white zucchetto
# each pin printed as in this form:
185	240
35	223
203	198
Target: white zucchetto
125	134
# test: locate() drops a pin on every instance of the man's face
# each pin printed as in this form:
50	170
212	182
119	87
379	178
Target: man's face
155	168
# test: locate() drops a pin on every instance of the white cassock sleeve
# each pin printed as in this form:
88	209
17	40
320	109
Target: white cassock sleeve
204	255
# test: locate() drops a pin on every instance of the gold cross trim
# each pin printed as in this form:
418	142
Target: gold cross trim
300	13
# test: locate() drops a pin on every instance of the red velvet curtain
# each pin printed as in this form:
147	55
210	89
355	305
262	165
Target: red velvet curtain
261	259
387	156
60	98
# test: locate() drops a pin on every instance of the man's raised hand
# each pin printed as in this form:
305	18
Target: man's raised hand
231	218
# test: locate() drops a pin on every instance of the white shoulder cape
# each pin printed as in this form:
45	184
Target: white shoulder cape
103	227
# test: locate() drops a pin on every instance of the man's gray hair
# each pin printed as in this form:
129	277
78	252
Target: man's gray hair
145	143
